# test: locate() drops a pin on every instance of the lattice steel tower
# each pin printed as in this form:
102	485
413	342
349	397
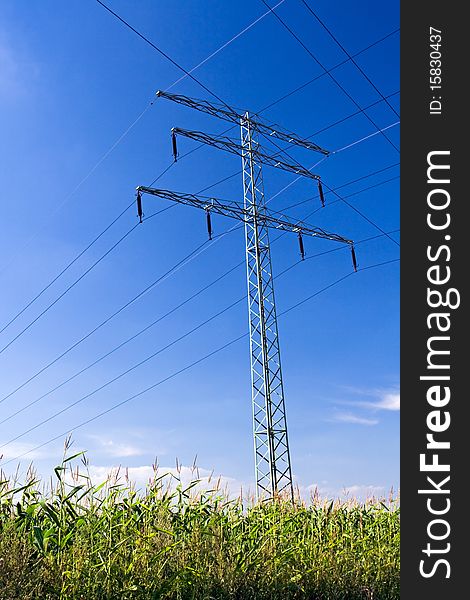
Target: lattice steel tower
271	444
272	456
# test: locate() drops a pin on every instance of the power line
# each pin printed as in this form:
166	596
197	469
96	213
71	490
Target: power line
164	54
157	49
291	183
342	199
365	217
385	234
108	152
71	286
199	146
140	116
353	114
175	268
366	137
329	191
66	268
135	366
281	98
194	363
169	166
117	312
360	213
205	88
326	72
295	179
156	321
212	93
338	187
159	280
347	196
115	406
126	341
370	187
370	221
343	119
156	282
112	148
72	262
310	53
59	206
369	239
359	270
167	314
235	37
124	373
76	281
359	68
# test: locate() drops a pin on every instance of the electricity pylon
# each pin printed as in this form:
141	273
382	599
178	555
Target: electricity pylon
273	470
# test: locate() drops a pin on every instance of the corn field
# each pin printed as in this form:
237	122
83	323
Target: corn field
75	540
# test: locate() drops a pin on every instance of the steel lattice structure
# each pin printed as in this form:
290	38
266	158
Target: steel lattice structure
273	469
236	210
223	112
271	444
224	143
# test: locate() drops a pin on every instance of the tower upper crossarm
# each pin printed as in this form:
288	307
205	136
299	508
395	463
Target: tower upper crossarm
225	143
234	117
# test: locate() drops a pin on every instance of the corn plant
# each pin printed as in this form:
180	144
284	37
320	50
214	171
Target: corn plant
74	540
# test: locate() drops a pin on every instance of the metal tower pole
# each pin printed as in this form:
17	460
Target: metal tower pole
272	457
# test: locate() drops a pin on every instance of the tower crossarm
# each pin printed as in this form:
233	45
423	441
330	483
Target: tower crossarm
236	210
234	117
229	145
227	209
203	106
302	228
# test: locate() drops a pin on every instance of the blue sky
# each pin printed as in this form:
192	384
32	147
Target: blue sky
72	81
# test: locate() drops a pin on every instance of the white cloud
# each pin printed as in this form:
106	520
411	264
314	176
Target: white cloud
16	449
389	401
348	417
359	492
117	449
364	491
384	399
136	443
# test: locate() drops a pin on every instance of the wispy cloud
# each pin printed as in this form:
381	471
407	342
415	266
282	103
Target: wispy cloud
116	449
136	442
349	417
360	492
364	491
381	399
15	449
384	400
388	401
